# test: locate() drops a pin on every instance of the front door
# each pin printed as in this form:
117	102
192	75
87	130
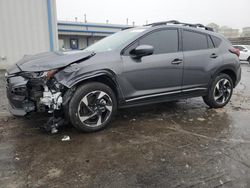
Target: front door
156	74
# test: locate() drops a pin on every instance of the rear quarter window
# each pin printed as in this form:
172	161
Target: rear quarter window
210	42
216	41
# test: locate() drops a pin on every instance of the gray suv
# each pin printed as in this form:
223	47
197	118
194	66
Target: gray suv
155	63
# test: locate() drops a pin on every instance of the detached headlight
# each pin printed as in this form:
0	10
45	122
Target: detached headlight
33	75
49	74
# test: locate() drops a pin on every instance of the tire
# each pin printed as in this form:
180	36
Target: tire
248	59
92	107
219	92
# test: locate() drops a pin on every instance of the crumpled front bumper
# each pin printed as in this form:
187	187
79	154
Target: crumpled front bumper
17	93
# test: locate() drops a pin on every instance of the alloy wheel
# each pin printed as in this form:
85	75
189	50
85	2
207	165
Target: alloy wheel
222	91
95	108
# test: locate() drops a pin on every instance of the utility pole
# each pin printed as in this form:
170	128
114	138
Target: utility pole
85	18
127	21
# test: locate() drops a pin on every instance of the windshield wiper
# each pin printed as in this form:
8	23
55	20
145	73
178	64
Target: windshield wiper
18	67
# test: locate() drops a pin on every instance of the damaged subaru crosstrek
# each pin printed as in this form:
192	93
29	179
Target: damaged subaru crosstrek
155	63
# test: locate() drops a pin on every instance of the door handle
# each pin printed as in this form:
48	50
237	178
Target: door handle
176	61
213	56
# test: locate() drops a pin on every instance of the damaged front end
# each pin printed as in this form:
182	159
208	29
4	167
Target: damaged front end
32	86
35	92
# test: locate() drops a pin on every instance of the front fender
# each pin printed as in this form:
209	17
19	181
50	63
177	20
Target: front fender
70	78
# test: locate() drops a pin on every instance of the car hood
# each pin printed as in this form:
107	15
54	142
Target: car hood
48	61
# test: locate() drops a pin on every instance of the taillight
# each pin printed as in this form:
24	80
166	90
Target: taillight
235	51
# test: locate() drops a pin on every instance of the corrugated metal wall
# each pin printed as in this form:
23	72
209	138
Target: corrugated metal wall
24	29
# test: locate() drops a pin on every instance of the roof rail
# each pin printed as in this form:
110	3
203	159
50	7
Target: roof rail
163	23
180	23
129	27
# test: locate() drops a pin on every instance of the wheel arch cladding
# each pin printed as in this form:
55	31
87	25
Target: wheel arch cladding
229	70
230	73
106	77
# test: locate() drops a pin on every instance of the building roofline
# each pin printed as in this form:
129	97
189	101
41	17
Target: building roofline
100	25
85	31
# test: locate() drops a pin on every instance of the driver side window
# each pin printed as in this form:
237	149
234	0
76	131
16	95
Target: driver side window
163	41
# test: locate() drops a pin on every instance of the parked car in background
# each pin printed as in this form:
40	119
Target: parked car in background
244	52
155	63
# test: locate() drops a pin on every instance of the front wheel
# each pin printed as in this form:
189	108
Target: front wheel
92	107
220	91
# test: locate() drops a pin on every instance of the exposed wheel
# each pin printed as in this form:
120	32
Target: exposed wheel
220	91
248	59
92	107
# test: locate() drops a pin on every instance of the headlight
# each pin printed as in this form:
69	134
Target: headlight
32	74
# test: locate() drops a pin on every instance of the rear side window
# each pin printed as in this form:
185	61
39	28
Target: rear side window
163	41
216	41
194	41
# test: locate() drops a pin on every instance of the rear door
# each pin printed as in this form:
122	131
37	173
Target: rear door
200	57
159	73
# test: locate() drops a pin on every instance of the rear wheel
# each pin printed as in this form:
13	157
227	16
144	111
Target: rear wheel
248	59
220	91
92	107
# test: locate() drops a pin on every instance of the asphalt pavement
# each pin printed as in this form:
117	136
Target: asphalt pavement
176	144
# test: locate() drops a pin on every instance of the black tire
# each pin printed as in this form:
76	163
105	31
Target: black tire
248	59
83	92
213	101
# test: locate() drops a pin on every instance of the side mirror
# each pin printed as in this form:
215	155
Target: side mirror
244	50
142	50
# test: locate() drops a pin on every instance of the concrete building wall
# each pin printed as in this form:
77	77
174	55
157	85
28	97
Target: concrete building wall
27	27
229	32
245	32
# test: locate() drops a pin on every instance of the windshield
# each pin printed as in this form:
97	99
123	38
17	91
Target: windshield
114	41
